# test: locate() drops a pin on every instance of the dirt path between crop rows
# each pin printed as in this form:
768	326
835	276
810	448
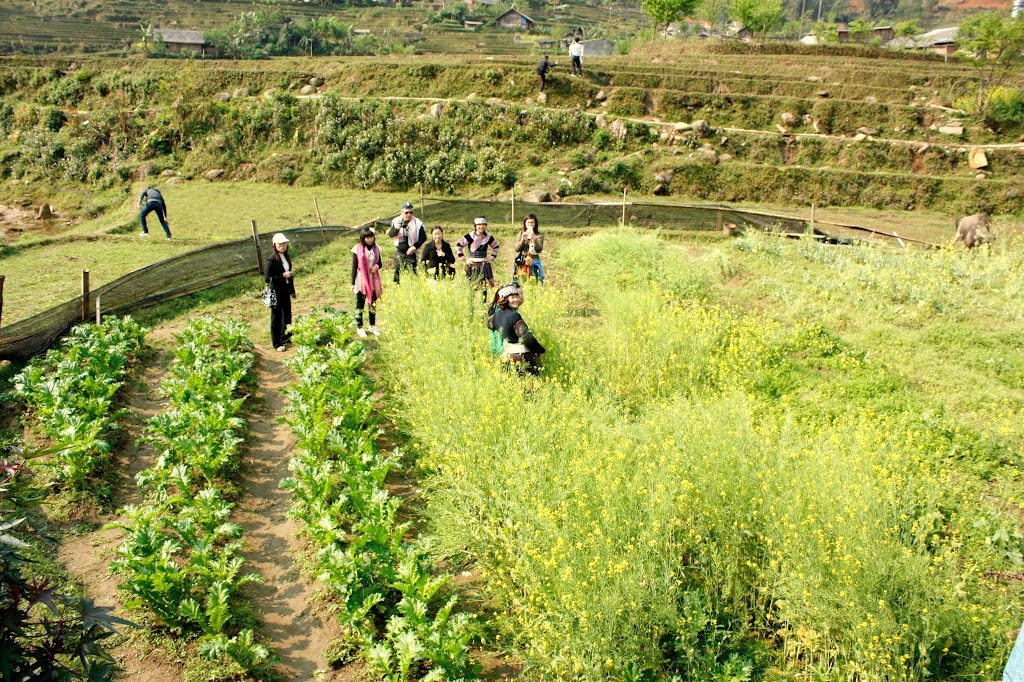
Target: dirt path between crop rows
87	556
298	629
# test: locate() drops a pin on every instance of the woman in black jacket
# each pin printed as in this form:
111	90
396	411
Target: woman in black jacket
438	257
518	346
278	271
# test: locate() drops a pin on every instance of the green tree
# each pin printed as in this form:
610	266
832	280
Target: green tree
327	35
992	43
815	9
860	30
826	32
880	8
908	30
147	36
715	12
792	30
759	16
664	12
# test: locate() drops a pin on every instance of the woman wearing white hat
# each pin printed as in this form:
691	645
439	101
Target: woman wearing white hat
278	271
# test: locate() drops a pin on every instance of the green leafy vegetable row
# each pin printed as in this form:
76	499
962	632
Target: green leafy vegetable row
180	559
393	604
71	392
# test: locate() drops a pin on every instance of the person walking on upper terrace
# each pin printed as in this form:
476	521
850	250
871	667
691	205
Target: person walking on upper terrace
152	201
543	67
576	52
409	235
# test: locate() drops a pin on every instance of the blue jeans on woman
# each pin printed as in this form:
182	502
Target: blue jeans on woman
537	269
159	208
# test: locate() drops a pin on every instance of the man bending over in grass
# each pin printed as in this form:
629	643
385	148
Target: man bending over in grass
152	201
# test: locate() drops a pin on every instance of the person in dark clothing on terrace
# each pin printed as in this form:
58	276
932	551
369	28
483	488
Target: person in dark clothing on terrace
542	70
519	347
437	255
152	201
278	269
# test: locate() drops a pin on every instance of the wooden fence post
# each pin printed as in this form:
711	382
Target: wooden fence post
718	219
85	295
320	220
623	222
513	218
2	278
423	209
813	207
256	243
98	313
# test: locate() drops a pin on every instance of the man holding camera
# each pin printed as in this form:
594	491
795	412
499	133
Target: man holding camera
409	235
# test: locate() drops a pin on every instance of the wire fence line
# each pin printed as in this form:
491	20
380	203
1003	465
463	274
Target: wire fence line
216	264
178	275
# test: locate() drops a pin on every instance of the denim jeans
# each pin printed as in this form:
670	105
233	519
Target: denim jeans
537	269
158	207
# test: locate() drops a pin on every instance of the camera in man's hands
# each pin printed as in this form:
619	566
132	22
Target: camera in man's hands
404	224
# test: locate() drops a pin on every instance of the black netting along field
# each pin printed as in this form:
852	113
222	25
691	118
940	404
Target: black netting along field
218	263
179	275
583	216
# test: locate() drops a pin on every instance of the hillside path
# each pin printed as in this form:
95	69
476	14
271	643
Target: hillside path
298	628
769	133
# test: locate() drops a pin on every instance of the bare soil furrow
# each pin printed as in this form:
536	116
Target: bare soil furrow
298	628
87	556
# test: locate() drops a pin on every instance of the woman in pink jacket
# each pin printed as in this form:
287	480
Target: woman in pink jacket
366	283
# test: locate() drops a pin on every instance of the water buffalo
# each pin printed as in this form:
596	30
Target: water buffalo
974	230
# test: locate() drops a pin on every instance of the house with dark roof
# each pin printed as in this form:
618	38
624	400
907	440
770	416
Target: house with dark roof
180	41
882	33
737	31
940	41
514	19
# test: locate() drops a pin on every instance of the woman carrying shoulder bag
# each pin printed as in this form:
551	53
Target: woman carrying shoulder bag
278	269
